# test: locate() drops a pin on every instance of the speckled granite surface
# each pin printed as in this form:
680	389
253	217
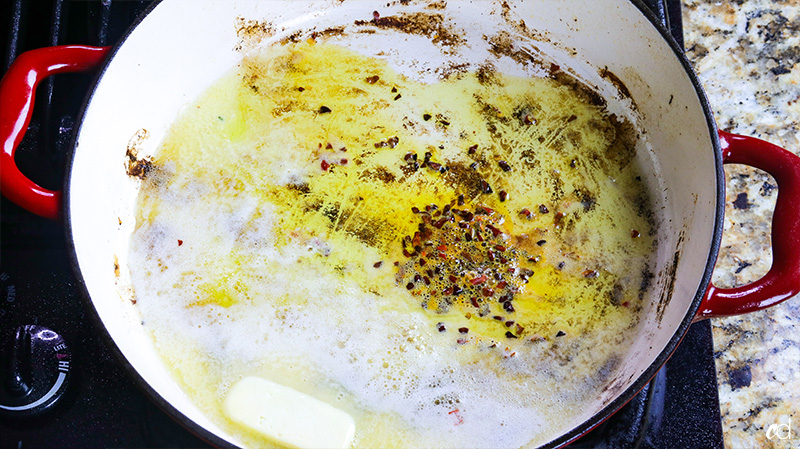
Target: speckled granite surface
747	55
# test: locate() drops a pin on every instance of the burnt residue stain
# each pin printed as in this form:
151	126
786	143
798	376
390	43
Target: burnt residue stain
441	5
670	273
614	79
125	292
519	26
138	168
332	31
487	74
505	44
623	150
454	69
741	202
591	96
430	25
300	35
135	166
251	32
647	280
294	37
607	370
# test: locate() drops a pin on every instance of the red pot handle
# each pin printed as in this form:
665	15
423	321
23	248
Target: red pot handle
782	281
18	92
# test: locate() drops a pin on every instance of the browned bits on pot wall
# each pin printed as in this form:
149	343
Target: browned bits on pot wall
135	166
250	32
430	25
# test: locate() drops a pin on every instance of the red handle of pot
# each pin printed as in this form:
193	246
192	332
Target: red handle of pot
18	93
782	281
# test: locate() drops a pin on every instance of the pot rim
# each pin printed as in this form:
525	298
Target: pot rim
567	437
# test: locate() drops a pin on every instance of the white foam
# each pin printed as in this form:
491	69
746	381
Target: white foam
386	358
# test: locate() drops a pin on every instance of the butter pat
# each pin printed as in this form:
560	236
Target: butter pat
287	416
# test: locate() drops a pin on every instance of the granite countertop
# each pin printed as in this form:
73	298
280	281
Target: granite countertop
747	56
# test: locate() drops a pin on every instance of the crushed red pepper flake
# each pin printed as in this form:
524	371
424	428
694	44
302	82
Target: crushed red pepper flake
479	280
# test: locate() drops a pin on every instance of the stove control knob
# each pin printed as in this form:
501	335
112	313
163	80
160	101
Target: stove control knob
35	371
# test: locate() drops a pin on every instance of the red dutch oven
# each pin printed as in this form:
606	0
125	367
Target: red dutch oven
181	46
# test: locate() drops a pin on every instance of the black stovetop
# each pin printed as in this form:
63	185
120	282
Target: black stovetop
101	407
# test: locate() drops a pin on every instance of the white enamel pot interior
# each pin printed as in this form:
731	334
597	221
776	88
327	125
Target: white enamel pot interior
182	46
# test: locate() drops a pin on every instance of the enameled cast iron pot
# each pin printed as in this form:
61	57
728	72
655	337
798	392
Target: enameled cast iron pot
181	46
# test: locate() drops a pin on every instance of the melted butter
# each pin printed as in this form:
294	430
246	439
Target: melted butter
344	170
346	136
